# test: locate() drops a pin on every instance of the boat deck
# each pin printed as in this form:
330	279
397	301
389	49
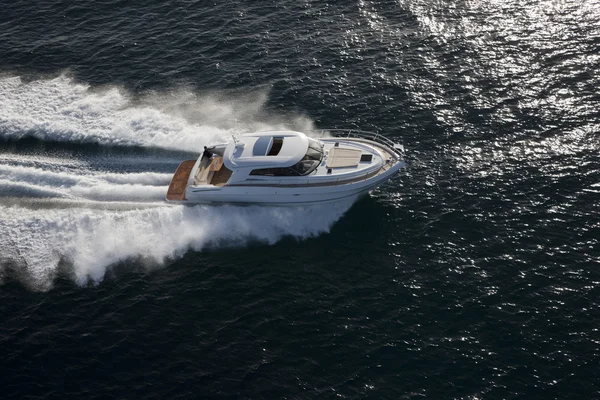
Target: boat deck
179	182
221	177
212	172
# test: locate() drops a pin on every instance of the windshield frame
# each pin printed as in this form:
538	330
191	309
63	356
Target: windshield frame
314	154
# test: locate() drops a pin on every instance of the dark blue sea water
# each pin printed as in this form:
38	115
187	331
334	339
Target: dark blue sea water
473	274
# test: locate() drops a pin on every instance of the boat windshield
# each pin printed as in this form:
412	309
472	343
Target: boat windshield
311	159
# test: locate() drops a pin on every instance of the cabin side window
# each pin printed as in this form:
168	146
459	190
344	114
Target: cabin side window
276	145
274	172
307	165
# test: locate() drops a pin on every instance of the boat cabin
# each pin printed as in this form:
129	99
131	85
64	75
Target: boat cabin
260	154
256	164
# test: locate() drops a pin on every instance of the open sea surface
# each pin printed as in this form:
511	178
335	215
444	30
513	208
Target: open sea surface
473	274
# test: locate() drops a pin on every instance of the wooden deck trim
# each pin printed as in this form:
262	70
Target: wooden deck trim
179	182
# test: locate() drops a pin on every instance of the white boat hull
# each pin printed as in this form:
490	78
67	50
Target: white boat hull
287	168
279	195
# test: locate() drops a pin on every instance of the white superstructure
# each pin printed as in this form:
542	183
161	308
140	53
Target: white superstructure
287	167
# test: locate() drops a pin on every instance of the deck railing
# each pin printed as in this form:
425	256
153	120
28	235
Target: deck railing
358	134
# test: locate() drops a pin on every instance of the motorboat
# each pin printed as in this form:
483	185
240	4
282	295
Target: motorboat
287	168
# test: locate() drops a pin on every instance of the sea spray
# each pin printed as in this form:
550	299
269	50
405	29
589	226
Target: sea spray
59	210
91	240
82	184
61	109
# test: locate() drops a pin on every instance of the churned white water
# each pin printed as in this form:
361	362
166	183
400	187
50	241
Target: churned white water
66	225
92	240
61	109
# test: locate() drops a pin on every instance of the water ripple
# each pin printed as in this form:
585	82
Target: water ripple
472	275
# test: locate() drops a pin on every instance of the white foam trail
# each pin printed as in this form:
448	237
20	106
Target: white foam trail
20	189
83	184
60	109
142	178
71	177
41	177
125	192
56	211
37	160
93	240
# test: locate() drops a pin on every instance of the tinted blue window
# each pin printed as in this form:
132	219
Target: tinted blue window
261	146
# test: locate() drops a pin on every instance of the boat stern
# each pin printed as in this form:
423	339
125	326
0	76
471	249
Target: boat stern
179	183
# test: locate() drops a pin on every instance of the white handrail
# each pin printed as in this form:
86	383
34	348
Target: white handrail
355	133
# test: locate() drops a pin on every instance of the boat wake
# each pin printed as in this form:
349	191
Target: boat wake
89	208
82	184
63	110
92	240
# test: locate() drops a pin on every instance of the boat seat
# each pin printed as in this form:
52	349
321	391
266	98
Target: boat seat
216	164
204	173
203	176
